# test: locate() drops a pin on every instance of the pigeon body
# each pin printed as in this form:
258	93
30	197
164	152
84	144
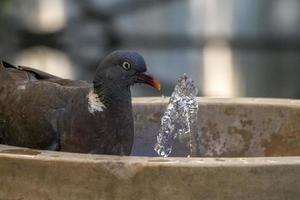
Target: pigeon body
42	111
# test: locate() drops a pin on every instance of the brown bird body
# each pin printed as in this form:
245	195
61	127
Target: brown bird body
42	111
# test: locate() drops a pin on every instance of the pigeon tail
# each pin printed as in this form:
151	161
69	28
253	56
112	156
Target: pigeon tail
1	65
5	64
37	73
8	65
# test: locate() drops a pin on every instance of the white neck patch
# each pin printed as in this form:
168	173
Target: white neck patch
94	103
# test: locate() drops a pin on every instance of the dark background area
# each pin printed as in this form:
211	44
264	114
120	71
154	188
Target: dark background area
230	48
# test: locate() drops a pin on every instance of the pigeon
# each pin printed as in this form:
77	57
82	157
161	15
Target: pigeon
42	111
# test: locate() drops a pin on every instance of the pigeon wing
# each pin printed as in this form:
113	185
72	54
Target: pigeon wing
23	74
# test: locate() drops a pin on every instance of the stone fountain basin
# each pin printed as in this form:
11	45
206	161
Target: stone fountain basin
250	149
243	127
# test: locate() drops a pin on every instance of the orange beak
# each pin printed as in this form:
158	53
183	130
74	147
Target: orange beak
148	79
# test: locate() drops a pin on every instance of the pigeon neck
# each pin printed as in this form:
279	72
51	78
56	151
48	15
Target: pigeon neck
114	97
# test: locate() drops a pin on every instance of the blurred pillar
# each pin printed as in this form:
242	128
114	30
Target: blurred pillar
218	70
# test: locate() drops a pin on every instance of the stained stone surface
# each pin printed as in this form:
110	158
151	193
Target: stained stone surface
40	175
228	127
250	130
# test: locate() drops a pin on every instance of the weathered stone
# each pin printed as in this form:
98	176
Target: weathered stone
64	176
229	127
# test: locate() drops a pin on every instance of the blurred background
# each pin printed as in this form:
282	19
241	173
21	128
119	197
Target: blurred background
231	48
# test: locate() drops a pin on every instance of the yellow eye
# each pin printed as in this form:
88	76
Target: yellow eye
126	65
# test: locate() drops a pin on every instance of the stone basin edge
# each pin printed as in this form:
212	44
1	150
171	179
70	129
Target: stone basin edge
12	152
227	101
26	153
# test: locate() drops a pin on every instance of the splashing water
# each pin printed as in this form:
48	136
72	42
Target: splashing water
180	118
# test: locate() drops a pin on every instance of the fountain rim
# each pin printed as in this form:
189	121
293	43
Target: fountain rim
286	102
94	175
21	153
43	155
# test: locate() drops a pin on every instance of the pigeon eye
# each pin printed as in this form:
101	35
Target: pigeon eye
126	65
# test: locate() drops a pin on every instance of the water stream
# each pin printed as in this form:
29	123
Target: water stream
179	118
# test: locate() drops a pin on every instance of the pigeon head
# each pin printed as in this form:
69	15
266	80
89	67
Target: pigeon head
121	69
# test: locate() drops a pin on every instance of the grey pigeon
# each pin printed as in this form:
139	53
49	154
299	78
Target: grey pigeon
42	111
